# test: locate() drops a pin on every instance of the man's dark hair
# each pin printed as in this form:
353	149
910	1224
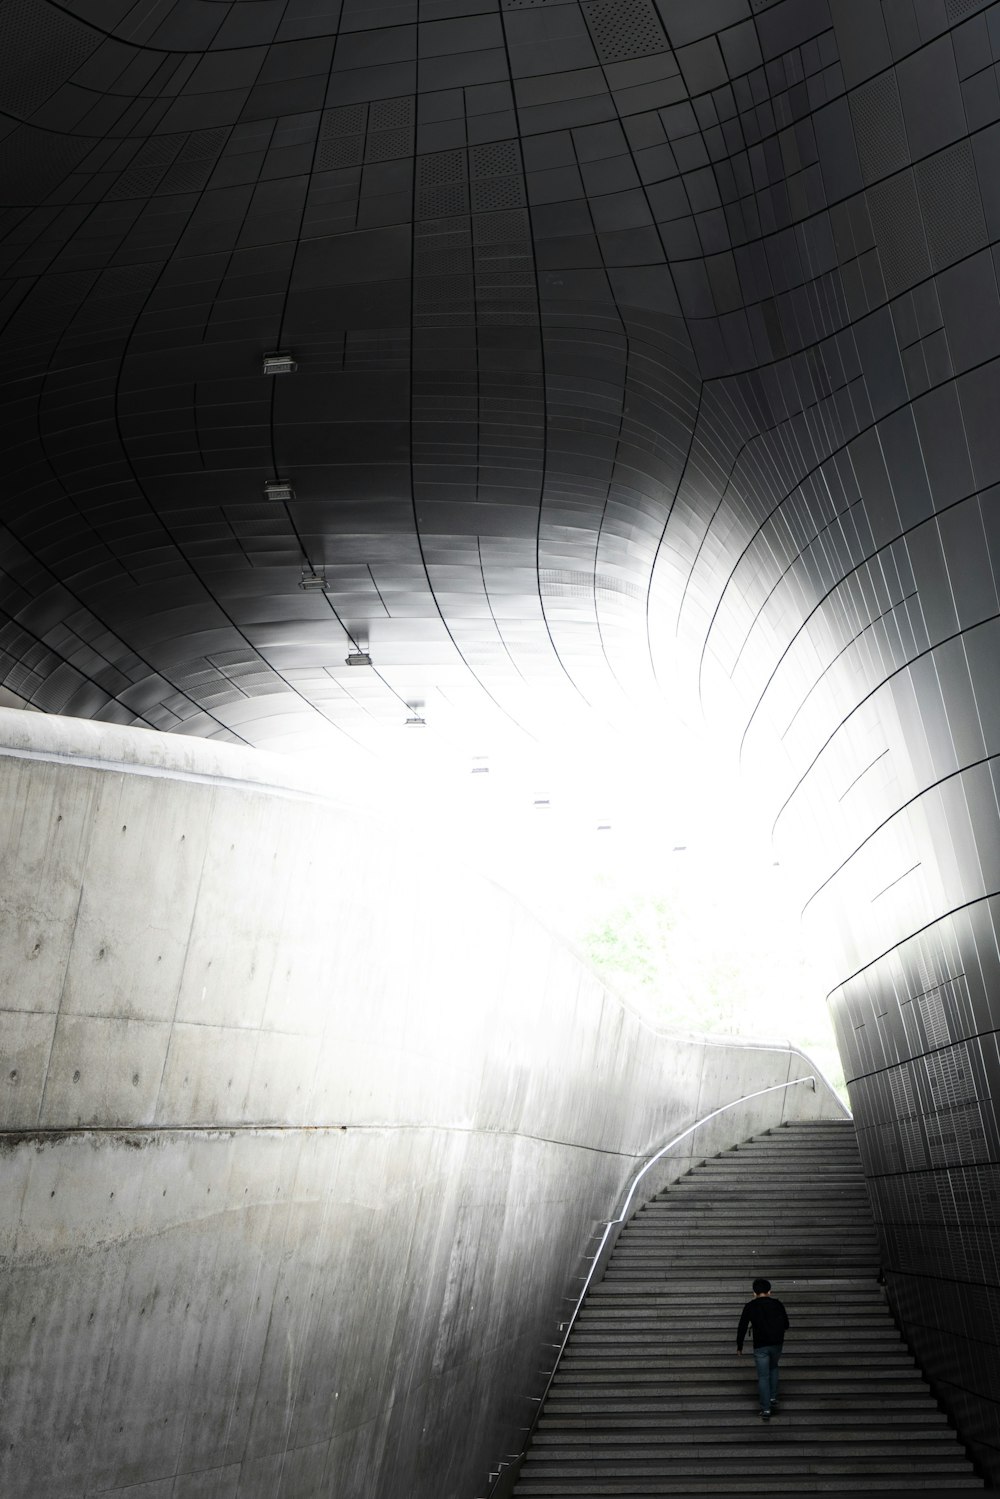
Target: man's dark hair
760	1286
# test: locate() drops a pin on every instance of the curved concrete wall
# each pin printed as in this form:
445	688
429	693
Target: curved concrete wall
306	1133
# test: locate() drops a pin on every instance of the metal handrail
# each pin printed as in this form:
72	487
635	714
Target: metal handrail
615	1225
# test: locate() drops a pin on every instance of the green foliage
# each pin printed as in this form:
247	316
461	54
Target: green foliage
691	957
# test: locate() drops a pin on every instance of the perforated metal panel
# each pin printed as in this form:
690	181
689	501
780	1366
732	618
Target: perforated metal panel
442	254
624	28
392	114
387	145
499	192
341	151
341	140
54	42
878	127
559	582
443	166
899	232
34	162
952	207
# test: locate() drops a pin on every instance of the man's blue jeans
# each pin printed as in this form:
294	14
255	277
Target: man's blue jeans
766	1359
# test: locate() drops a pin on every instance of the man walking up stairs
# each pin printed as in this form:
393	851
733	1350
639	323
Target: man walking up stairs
648	1398
769	1321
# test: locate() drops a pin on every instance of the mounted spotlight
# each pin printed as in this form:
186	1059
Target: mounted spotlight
415	722
277	363
278	489
358	658
314	582
541	802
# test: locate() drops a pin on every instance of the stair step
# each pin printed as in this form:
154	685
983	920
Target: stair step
651	1238
732	1262
648	1343
776	1460
642	1342
743	1483
638	1274
712	1435
806	1406
630	1316
809	1190
835	1420
680	1225
680	1363
765	1153
774	1160
872	1382
648	1239
811	1292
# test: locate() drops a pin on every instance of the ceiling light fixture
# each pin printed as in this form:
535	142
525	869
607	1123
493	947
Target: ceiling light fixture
313	581
278	489
416	722
279	363
358	658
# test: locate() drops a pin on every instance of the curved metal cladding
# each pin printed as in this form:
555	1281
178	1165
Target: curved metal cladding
622	329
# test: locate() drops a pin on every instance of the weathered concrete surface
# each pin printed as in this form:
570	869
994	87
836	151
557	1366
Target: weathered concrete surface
307	1133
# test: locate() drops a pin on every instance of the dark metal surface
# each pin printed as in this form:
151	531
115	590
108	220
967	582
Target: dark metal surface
621	329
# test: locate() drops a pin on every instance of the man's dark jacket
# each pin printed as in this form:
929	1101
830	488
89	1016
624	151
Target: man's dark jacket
767	1317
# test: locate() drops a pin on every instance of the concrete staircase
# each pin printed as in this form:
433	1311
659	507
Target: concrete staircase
650	1398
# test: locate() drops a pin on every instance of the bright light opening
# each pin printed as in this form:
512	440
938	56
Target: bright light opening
649	861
